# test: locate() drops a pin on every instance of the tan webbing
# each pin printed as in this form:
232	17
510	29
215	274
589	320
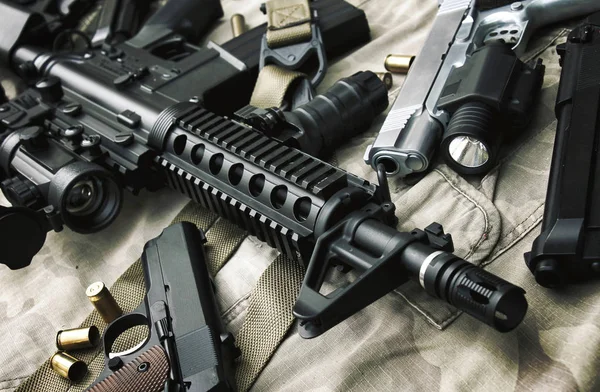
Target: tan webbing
288	22
129	291
272	85
268	319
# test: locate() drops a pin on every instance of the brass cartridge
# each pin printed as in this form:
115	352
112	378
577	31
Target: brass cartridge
103	301
68	367
398	63
238	25
77	338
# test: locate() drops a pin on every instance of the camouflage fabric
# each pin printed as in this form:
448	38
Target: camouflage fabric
405	341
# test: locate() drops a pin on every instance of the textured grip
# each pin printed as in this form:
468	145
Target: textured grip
147	373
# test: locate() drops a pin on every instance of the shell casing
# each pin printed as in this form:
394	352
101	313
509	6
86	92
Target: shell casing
238	25
104	302
77	338
398	63
68	367
386	78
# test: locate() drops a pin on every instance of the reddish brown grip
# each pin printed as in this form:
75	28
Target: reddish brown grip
132	377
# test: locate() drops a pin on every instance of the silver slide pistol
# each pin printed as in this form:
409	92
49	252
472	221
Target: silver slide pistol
415	125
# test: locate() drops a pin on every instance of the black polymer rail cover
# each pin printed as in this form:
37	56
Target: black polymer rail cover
568	249
186	335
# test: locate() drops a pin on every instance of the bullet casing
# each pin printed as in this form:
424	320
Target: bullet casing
77	338
68	366
238	25
104	302
398	63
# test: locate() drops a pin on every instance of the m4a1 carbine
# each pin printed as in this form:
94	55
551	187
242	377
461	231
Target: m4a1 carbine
69	145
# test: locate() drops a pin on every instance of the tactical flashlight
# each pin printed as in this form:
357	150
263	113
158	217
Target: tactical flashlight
490	98
329	119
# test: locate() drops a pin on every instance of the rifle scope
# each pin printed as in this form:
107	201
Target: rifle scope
86	195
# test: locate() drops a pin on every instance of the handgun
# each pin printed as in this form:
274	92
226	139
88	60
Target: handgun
72	143
568	248
187	348
422	113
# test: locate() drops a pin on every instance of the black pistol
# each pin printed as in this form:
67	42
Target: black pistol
568	248
187	348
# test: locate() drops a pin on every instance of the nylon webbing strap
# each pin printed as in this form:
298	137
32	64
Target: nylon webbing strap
129	291
288	22
271	86
268	319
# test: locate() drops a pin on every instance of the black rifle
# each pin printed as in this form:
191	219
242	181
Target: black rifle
74	141
180	70
568	249
187	348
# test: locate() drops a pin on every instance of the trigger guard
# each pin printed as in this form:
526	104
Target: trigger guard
120	325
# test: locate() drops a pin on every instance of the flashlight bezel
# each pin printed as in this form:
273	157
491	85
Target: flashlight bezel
108	207
462	169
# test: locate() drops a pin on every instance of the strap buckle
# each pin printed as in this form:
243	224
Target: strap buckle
294	56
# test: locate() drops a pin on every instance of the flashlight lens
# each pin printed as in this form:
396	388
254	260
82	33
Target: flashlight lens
468	152
84	197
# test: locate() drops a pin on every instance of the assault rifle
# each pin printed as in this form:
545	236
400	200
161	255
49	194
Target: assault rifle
71	144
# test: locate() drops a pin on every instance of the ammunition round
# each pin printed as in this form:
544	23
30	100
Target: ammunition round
386	78
68	367
103	301
398	63
238	25
77	338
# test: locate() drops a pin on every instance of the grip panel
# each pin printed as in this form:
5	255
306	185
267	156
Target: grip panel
147	373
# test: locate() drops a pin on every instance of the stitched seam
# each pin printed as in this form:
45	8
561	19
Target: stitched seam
520	223
12	379
483	211
512	243
428	315
235	310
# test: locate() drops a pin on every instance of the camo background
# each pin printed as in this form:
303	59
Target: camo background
405	341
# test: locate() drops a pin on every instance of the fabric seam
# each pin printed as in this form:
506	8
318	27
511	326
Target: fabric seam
517	239
475	247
